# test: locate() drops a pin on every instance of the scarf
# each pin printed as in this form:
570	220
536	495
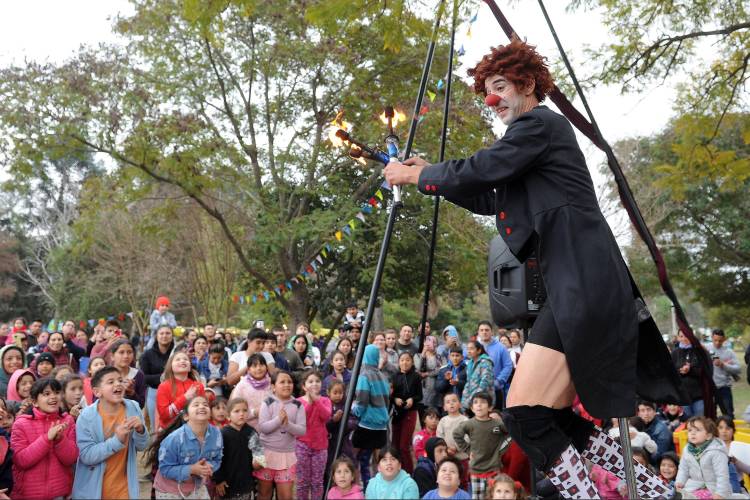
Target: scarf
259	384
684	346
697	451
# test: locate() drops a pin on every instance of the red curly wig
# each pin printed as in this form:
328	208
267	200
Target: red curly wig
519	63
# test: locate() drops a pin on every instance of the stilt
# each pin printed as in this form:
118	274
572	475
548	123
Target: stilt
627	457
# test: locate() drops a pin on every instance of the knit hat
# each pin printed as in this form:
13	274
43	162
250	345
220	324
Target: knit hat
46	356
162	301
431	444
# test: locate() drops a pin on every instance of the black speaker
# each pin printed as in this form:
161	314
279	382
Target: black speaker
516	289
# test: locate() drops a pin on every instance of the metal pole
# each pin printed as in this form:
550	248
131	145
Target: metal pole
395	206
627	457
436	210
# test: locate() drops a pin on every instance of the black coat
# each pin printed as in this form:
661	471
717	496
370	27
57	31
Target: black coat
536	183
406	385
152	364
691	381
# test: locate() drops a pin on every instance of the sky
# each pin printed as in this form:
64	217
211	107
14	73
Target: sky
54	30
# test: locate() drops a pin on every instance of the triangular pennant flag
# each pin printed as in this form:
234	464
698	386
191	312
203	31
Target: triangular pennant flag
247	299
110	318
468	32
386	186
319	259
474	19
52	325
347	230
421	119
328	247
242	299
338	235
235	299
255	299
379	194
423	110
121	317
289	285
352	224
266	295
102	321
440	84
277	290
360	216
367	208
130	315
431	95
91	323
82	324
314	266
372	201
295	280
461	51
310	269
324	252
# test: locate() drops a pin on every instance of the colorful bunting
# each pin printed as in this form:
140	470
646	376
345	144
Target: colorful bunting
338	235
347	230
431	95
440	84
379	194
91	323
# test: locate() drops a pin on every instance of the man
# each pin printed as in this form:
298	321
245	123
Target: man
35	328
354	333
69	335
353	315
503	365
405	342
450	339
726	371
656	429
603	346
209	331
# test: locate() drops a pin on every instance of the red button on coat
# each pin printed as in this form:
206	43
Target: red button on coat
502	215
508	231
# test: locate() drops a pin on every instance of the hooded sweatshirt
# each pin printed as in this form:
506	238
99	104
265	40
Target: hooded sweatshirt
13	384
479	378
5	376
425	473
709	469
400	487
372	393
355	493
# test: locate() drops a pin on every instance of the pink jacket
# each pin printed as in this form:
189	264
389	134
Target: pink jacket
13	384
254	398
354	494
318	414
42	468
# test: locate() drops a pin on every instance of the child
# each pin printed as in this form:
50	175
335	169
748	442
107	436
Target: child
6	453
391	482
446	426
425	473
668	465
254	387
213	368
371	407
704	470
7	416
346	481
336	370
448	482
123	354
503	486
160	316
61	372
281	420
336	394
73	401
638	438
95	364
110	434
219	412
243	452
429	429
312	447
104	341
43	364
488	438
674	416
43	441
609	486
180	384
188	451
19	390
407	394
452	378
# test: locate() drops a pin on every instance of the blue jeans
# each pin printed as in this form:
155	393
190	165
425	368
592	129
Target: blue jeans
694	409
151	407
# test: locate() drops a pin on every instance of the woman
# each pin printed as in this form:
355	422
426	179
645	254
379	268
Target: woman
56	347
200	350
301	346
688	364
480	375
428	365
604	346
346	346
152	364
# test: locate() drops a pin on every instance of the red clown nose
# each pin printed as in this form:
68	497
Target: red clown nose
491	100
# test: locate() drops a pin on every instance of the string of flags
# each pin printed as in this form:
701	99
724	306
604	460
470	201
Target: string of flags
311	268
56	324
440	84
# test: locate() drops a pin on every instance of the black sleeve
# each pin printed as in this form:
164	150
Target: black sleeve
480	204
524	142
417	389
76	351
152	379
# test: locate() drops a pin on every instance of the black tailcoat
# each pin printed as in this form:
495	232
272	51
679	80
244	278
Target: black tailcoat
535	182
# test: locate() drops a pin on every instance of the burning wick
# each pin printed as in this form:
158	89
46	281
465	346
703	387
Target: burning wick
396	118
337	124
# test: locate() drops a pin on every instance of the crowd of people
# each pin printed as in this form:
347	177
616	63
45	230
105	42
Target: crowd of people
214	416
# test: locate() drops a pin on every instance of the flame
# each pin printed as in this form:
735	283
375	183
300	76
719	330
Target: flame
336	124
358	158
398	117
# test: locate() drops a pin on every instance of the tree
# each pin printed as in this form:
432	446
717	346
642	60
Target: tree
234	114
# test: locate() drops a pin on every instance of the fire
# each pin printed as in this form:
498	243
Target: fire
398	117
356	154
336	124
